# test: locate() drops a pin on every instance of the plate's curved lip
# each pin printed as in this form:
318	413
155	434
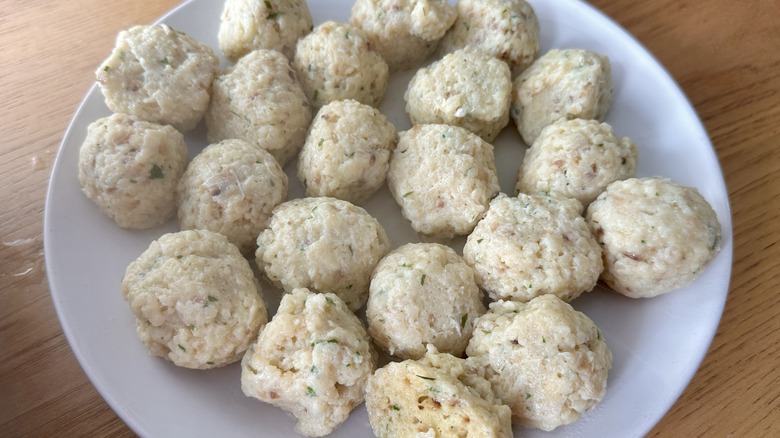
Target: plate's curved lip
727	250
51	273
699	355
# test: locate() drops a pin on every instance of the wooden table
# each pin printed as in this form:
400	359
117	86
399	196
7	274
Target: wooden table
724	54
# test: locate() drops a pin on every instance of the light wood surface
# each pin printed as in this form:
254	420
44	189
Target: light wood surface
725	54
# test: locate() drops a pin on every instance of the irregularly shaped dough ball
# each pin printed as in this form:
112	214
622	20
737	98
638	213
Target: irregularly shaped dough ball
436	396
466	88
247	25
260	101
129	168
313	359
160	75
423	294
347	151
506	29
336	62
657	235
443	177
533	245
545	360
231	188
324	244
195	299
577	159
404	32
561	85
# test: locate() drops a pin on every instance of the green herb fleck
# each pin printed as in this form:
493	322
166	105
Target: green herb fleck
179	257
273	16
480	240
424	377
313	369
212	298
407	194
643	241
544	341
527	395
316	93
321	140
330	300
268	5
395	407
601	145
156	172
324	341
422	280
311	392
106	68
463	320
254	371
165	61
182	348
210	362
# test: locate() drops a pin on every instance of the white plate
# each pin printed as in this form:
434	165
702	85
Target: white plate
657	344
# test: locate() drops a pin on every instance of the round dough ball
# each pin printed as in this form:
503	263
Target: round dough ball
160	75
324	244
231	188
533	245
423	294
260	101
657	235
544	359
466	88
404	32
313	359
577	159
130	168
195	299
247	25
438	395
336	62
505	29
443	177
347	151
561	85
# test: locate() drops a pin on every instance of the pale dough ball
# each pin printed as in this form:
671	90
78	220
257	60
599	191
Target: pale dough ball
505	29
404	32
260	101
160	75
561	85
347	151
443	177
423	294
195	299
231	188
247	25
544	359
336	62
657	235
577	159
313	359
533	245
466	88
324	244
130	168
438	395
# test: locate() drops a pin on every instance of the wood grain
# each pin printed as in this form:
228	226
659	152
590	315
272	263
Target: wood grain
724	54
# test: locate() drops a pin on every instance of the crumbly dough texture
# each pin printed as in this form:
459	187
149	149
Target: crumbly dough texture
577	159
195	299
260	101
130	167
563	84
423	294
533	245
336	62
325	244
231	188
404	32
347	151
544	359
506	29
443	177
466	88
657	235
313	359
438	395
247	25
158	74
